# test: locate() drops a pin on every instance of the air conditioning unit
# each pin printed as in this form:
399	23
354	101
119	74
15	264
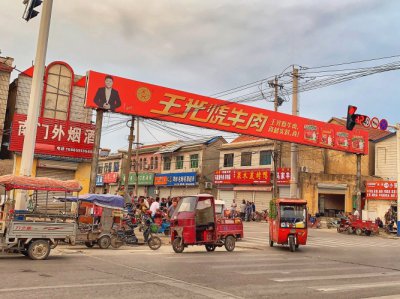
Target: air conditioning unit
303	169
208	185
156	192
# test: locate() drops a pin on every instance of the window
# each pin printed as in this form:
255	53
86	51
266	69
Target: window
246	159
116	166
133	165
179	162
152	163
110	168
100	169
265	158
145	165
57	96
156	163
140	164
167	163
228	160
194	161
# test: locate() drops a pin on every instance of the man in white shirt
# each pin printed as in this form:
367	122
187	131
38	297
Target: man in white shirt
155	206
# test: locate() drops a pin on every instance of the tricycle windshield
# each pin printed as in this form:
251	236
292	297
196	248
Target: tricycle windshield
293	216
186	204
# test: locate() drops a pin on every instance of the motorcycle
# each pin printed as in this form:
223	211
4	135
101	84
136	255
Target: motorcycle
128	237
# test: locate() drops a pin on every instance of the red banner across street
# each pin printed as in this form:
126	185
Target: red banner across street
260	176
386	190
131	97
55	137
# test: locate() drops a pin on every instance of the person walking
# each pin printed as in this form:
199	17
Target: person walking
249	210
233	209
243	209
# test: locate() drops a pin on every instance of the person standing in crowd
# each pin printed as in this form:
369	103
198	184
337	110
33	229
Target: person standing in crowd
172	208
243	209
155	206
163	204
253	209
249	210
233	209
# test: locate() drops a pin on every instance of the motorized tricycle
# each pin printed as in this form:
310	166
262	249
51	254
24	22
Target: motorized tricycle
194	222
35	231
288	223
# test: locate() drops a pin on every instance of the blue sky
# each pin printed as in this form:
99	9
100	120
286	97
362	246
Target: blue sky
210	46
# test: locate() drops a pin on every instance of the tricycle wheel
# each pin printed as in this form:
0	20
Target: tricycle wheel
358	231
350	230
89	244
368	232
271	243
116	242
154	243
177	245
292	244
39	250
210	247
338	230
104	242
230	243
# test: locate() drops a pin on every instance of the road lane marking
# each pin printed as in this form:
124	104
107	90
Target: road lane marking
216	292
66	286
288	271
339	276
269	265
385	297
349	287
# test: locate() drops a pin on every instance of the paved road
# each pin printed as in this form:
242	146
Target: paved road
332	266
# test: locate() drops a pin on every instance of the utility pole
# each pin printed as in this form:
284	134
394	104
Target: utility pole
137	160
276	152
96	151
293	146
129	159
34	99
358	187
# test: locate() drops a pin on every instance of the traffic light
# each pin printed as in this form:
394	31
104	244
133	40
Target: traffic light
351	117
29	12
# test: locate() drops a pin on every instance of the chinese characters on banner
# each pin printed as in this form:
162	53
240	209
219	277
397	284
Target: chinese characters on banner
381	190
110	177
243	176
283	176
157	102
175	179
55	137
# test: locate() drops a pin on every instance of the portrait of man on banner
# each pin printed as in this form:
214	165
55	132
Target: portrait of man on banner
107	97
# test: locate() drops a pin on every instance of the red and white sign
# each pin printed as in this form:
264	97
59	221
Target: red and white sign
381	190
283	176
55	137
110	177
152	101
243	176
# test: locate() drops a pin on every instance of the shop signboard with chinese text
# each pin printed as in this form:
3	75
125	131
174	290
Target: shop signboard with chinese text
145	179
55	137
386	190
260	176
175	179
99	180
157	102
283	176
110	177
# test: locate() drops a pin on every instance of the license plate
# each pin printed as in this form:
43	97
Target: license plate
292	231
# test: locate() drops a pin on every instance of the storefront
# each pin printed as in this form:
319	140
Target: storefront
110	180
252	185
176	184
145	183
380	197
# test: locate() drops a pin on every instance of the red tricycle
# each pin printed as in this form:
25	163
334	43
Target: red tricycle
288	223
359	226
194	223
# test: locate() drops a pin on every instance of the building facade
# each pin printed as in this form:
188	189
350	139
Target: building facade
244	171
65	133
188	167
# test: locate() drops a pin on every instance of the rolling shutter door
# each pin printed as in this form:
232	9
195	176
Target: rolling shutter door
246	195
227	197
284	192
54	206
262	199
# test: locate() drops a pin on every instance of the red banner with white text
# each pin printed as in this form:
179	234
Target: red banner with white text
381	190
55	137
260	176
151	101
